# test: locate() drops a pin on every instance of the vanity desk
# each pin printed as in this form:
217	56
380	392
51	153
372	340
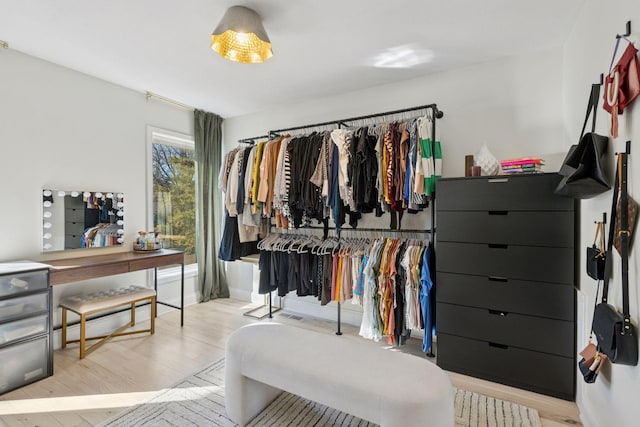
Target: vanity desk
90	267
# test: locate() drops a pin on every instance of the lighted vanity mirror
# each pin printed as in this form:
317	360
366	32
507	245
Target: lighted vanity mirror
81	219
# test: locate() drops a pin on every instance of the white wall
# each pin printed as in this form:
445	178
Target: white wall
513	105
63	129
612	400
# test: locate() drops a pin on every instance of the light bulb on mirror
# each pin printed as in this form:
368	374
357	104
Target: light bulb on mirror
74	194
120	239
46	225
120	231
120	213
46	236
120	196
47	246
46	214
120	204
120	222
86	194
46	204
46	193
61	193
109	195
98	194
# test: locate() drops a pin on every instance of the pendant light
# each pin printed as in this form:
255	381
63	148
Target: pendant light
241	37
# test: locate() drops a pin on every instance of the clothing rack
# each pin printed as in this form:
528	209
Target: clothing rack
437	114
252	140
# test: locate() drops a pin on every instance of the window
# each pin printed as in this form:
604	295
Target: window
172	184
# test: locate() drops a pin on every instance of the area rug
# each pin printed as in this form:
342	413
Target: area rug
199	401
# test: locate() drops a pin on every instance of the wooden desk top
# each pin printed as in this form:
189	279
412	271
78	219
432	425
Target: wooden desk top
88	267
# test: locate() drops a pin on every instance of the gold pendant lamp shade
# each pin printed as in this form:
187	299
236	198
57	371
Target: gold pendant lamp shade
241	37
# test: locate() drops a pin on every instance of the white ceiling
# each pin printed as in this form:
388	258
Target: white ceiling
320	48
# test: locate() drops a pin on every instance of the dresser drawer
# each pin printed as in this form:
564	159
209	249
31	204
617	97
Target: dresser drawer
552	300
553	265
74	227
24	363
506	328
20	329
23	306
74	214
524	192
73	241
545	228
12	284
539	372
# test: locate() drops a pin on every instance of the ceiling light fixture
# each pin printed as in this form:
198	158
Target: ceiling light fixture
241	37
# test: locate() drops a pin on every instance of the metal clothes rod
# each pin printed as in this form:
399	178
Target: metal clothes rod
253	140
385	231
437	113
294	231
150	95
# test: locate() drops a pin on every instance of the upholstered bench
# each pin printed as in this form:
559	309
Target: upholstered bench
392	389
86	305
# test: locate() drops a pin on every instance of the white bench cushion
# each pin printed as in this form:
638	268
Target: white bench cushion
382	386
105	299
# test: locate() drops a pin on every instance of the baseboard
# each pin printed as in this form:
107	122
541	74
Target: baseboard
240	294
586	417
349	313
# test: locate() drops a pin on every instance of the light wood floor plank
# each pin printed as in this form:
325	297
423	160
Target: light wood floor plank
128	370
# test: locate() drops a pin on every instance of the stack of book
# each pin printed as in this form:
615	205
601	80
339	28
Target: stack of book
521	165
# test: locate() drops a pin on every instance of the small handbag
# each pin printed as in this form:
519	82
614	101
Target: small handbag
591	363
614	331
583	169
622	84
592	360
596	255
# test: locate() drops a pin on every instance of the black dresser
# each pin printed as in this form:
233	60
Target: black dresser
505	266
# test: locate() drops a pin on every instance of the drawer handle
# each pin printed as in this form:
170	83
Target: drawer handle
497	246
499	313
498	180
498	212
500	346
497	279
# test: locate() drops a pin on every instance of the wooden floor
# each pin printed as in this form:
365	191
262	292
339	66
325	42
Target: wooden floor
130	370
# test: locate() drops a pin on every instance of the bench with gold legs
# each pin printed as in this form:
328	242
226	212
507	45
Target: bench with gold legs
87	305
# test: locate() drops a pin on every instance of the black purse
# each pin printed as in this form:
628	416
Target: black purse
583	172
596	255
614	331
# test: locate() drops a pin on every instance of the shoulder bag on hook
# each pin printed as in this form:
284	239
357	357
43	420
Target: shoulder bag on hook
583	171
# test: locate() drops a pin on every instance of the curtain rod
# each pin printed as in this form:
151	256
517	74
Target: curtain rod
437	112
150	95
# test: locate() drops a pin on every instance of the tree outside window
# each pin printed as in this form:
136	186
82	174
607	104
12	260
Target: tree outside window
174	198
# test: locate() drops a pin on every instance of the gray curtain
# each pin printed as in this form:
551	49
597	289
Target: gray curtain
212	281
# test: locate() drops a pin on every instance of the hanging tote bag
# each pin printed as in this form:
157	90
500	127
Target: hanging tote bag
583	172
622	84
614	331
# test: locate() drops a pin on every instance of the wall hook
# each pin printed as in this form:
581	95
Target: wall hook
628	32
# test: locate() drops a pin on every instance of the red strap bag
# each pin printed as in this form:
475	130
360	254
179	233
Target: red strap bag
622	85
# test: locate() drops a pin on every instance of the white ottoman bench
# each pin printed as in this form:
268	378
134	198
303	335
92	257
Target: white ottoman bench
387	388
85	305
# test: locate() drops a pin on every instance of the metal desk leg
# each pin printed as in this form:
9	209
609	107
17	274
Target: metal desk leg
182	295
155	288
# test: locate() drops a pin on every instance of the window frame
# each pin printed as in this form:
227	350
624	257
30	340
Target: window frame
181	140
